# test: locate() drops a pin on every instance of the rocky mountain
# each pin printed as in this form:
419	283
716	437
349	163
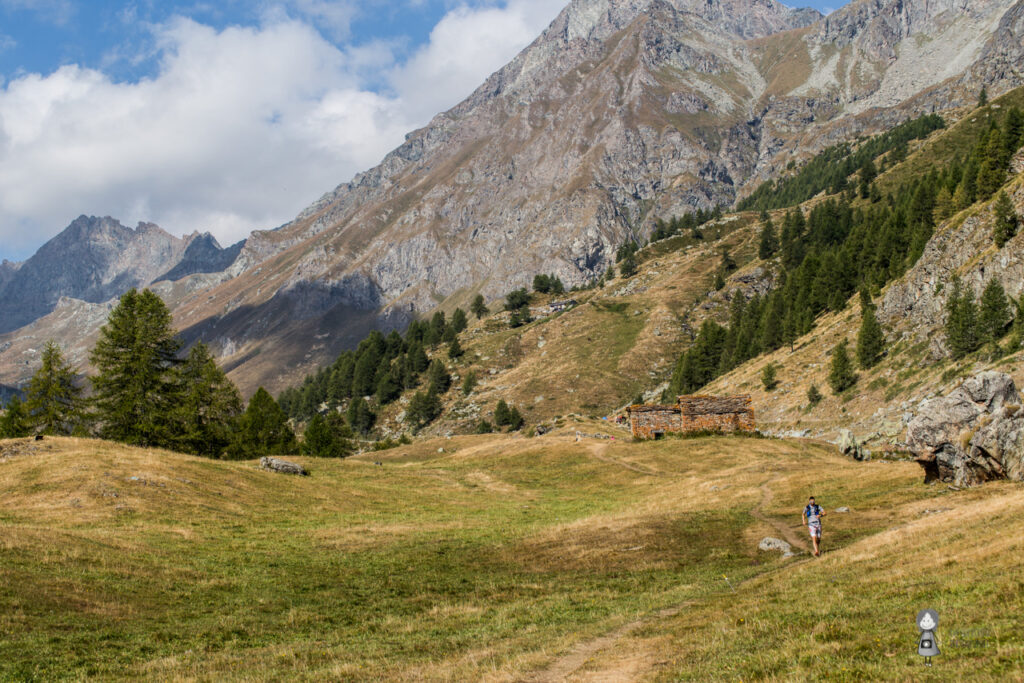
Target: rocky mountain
620	112
97	259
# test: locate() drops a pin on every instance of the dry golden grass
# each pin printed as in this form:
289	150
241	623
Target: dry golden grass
500	559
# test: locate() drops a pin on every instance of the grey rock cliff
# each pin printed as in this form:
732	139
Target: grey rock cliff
975	434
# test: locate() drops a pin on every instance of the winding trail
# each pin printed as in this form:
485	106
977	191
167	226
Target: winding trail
626	669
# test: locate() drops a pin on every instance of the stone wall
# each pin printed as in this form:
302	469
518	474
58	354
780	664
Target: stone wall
649	422
693	414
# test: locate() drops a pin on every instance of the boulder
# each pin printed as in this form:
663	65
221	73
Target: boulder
975	434
769	544
282	466
849	446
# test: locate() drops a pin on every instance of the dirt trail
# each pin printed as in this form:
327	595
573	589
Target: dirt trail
792	537
629	666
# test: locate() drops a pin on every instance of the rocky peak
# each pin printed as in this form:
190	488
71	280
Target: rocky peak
93	259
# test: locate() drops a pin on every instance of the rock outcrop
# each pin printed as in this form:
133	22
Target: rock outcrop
975	434
850	447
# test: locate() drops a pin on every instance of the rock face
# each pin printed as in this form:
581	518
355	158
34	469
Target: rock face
975	434
916	304
282	466
95	260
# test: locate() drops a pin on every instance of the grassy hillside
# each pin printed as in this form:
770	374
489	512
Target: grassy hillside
496	558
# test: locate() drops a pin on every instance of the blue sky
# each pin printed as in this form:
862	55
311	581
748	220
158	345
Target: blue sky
225	116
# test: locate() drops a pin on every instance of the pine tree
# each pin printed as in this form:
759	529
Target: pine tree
841	376
502	416
992	171
15	423
263	430
322	440
455	350
627	267
459	320
517	299
814	396
52	399
870	338
1006	220
360	416
515	419
134	389
469	383
983	97
208	407
478	307
769	242
438	378
424	408
389	386
769	377
944	205
994	312
962	335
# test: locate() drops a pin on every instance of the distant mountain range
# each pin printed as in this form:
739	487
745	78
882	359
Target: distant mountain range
620	112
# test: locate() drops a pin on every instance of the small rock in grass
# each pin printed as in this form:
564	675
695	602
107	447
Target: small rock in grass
769	544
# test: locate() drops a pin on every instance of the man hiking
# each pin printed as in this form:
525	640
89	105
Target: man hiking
812	520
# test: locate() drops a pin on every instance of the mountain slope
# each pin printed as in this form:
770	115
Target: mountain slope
619	112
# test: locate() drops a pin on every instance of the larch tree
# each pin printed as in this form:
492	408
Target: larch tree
135	391
263	429
53	400
208	406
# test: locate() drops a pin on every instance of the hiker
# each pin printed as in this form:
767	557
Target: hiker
812	520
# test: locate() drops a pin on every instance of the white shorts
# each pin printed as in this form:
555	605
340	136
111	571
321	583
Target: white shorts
815	530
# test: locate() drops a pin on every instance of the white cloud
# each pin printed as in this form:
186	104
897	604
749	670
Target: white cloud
238	130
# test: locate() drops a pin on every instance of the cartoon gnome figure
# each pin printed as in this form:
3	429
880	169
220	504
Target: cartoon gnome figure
927	621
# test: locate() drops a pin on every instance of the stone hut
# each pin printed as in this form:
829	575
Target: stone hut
693	414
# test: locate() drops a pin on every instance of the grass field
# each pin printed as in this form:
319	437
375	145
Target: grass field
498	559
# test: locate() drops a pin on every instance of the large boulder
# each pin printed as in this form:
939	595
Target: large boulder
975	434
282	466
850	447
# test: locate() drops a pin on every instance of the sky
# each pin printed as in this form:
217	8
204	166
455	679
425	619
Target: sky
225	116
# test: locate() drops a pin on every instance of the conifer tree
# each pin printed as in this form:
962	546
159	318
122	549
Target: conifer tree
424	408
389	386
469	383
478	307
627	267
459	320
515	419
983	97
961	200
455	350
814	396
360	416
52	399
438	378
841	375
769	242
962	335
769	377
15	422
208	406
992	171
322	440
870	338
263	430
502	415
994	312
944	205
134	389
1006	220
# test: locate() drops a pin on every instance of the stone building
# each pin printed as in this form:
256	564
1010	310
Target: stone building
693	414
